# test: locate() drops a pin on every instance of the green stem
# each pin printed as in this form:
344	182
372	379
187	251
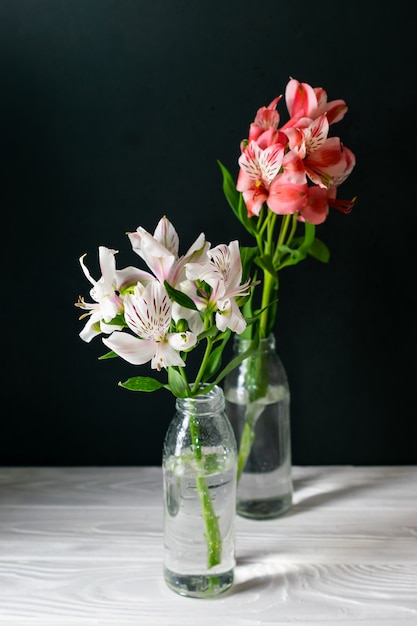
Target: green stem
253	411
245	446
266	246
256	384
271	229
211	521
202	367
256	378
283	230
269	284
293	229
184	375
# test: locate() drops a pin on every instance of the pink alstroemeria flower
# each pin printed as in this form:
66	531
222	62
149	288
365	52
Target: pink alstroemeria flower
304	141
316	209
266	118
148	315
303	100
107	293
288	192
325	160
330	164
258	168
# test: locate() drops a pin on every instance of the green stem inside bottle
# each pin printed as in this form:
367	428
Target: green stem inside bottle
256	384
211	521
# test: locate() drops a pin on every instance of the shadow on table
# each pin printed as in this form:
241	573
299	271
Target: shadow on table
265	566
270	571
319	488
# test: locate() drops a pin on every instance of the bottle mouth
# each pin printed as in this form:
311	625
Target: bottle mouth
208	402
241	344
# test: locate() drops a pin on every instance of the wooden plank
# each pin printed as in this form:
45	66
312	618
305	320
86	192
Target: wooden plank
83	546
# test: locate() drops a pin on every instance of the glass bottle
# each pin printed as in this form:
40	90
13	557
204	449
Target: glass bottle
199	471
258	406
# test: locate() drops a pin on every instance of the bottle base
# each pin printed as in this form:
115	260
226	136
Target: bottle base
198	585
268	508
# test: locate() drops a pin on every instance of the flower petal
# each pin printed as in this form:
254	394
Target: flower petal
300	98
166	234
148	311
92	327
181	341
316	208
165	356
262	165
229	316
286	198
158	258
108	266
330	164
132	349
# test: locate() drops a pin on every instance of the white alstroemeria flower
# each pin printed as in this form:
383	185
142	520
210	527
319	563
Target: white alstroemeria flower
223	273
148	314
229	316
160	251
106	293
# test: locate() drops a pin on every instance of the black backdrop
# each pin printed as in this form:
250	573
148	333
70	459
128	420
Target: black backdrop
114	113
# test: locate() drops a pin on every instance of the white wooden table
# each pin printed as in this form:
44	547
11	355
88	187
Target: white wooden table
83	546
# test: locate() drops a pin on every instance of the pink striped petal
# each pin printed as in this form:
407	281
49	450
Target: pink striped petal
286	198
300	99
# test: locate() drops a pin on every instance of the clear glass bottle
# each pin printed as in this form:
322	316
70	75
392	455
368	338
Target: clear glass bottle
199	470
258	406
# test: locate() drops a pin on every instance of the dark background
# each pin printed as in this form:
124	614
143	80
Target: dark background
114	113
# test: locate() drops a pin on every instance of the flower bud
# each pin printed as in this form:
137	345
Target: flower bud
182	326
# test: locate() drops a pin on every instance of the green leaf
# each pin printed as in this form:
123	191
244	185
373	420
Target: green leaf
247	222
319	251
210	332
177	384
141	383
237	360
108	355
289	255
229	189
180	297
213	363
295	255
247	257
235	199
215	359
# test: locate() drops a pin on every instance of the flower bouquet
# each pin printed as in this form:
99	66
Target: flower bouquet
159	317
288	178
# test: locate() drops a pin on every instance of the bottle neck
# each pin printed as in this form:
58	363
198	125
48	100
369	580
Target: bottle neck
265	345
203	404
